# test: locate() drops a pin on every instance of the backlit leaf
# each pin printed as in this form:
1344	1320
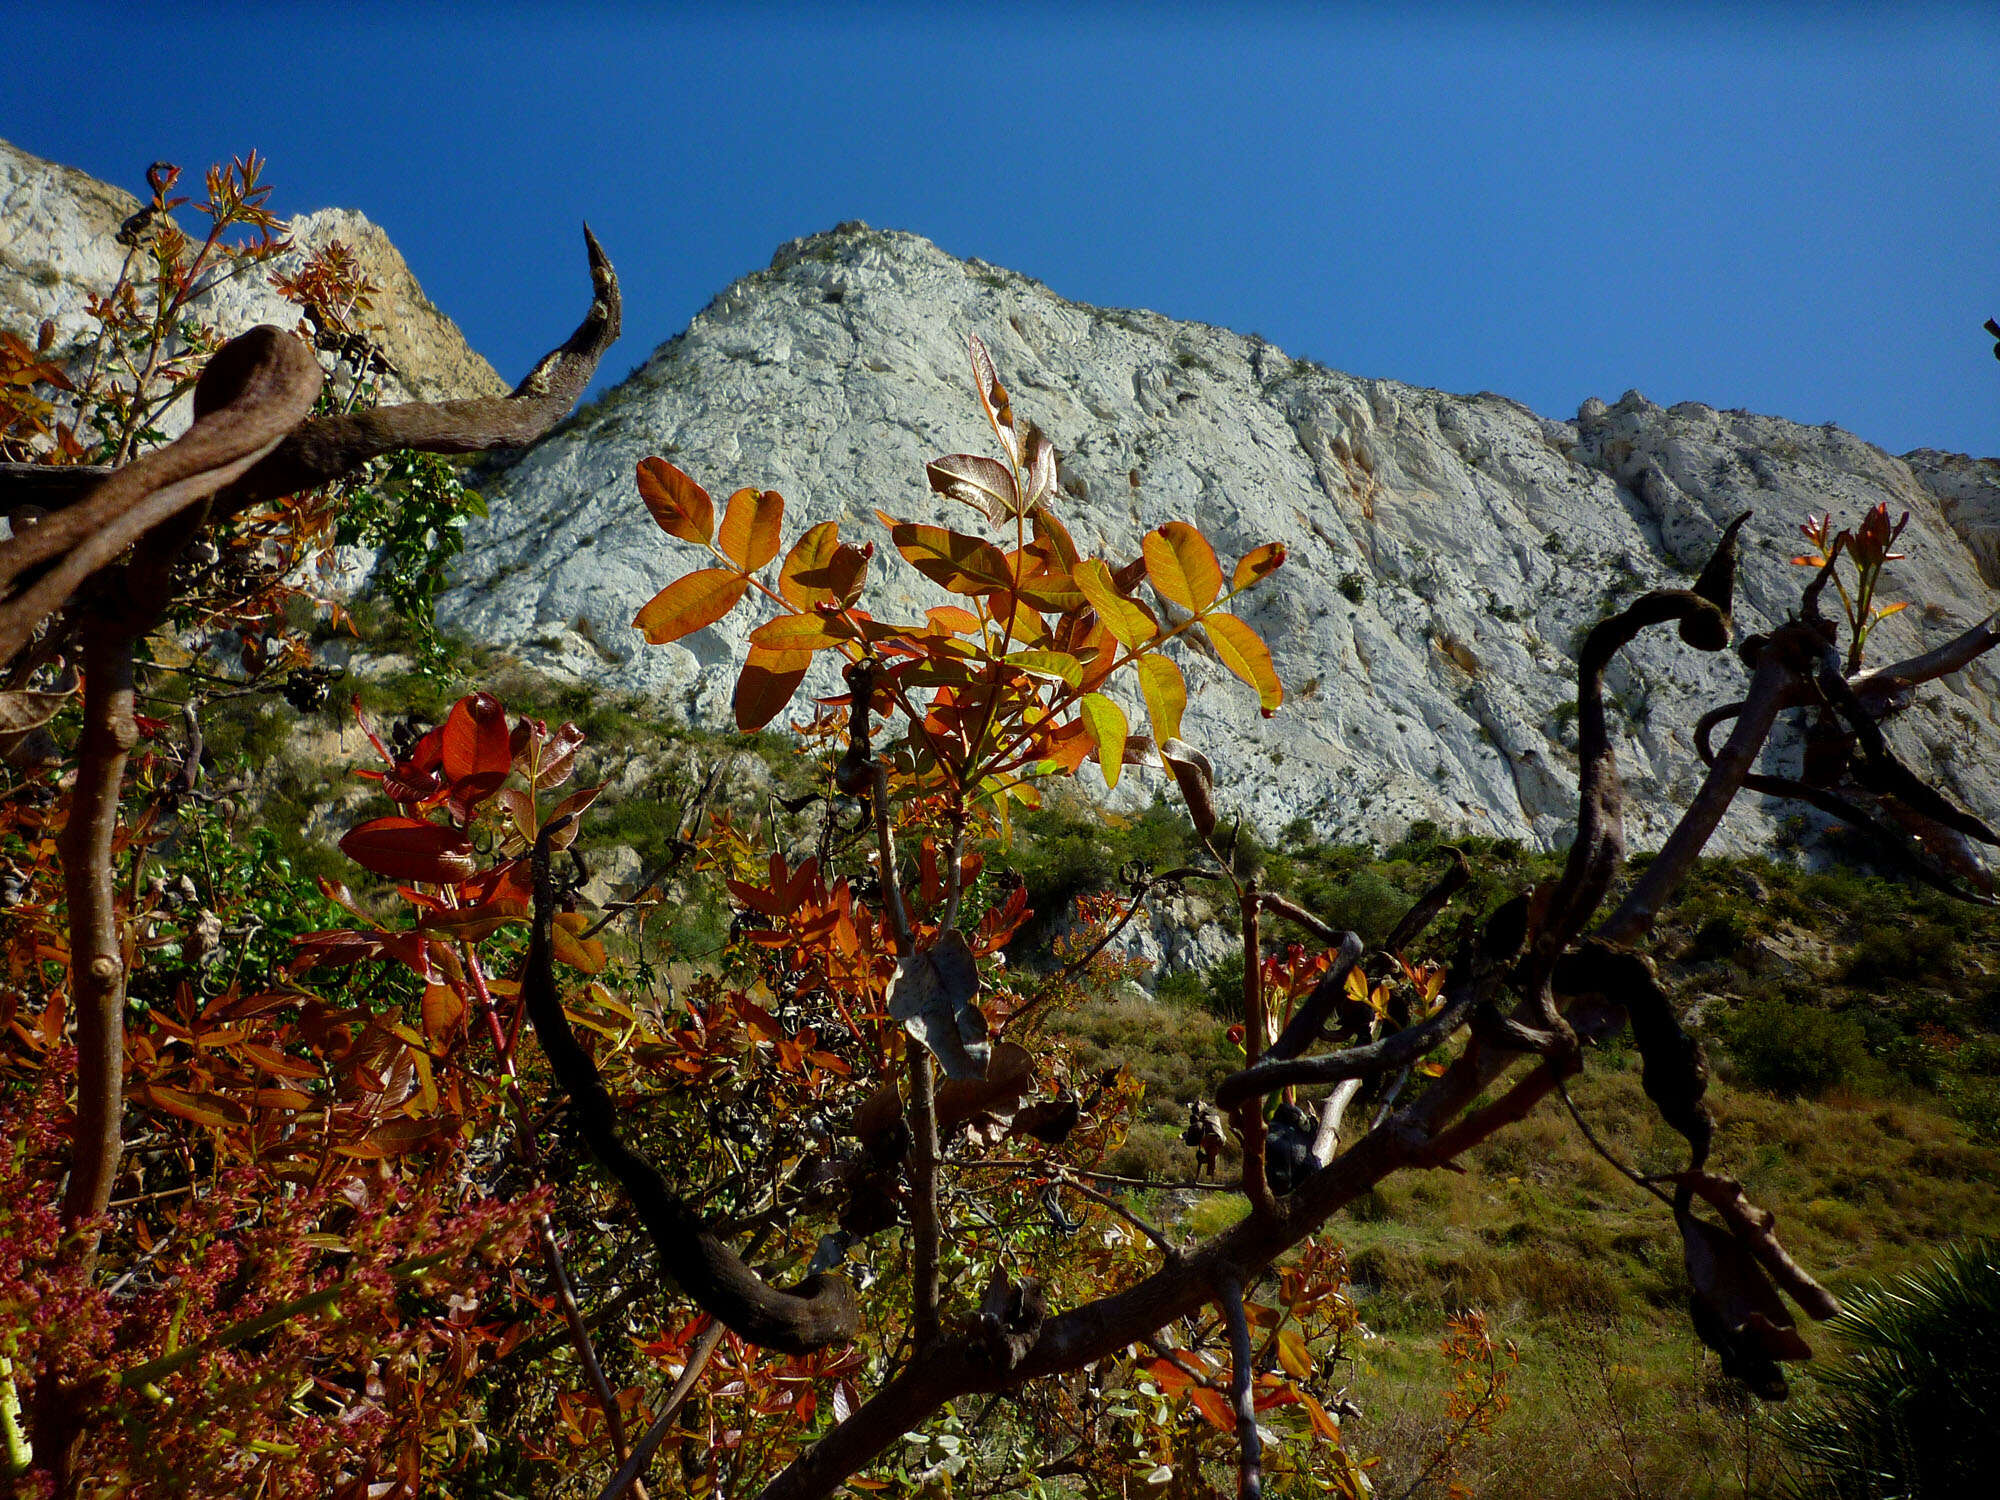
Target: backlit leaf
688	604
1124	618
1165	692
986	486
1182	565
1210	1404
803	580
681	506
1243	651
766	684
812	632
964	564
1059	666
476	739
1108	726
1261	562
1292	1354
749	534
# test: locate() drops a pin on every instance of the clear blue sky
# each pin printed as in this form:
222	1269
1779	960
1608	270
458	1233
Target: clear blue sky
1795	210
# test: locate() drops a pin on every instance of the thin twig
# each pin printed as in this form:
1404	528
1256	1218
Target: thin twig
1604	1151
628	1476
1104	1200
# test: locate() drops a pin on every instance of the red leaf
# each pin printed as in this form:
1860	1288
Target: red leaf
476	741
410	849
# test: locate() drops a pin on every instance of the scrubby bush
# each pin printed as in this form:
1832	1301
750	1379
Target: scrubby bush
1794	1049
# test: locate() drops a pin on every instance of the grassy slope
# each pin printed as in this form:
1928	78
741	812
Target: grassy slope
1851	1019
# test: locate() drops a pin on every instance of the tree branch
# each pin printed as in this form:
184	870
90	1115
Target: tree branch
1242	1392
817	1312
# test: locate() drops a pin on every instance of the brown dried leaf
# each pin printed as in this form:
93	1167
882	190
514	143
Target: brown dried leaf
935	994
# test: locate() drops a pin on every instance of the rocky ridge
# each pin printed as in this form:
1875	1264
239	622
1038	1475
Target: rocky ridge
1447	552
58	246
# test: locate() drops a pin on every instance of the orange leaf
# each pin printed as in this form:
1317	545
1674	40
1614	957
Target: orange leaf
749	534
681	506
1182	565
807	633
1322	1423
688	604
964	564
1261	562
1211	1405
1293	1355
766	684
1243	651
803	580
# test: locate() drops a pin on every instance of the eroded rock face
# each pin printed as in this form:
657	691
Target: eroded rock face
58	246
1447	552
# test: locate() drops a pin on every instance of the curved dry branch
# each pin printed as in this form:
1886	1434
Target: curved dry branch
1703	614
819	1311
327	447
253	392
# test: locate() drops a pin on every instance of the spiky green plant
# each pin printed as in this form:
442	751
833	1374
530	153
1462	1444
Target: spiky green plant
1908	1410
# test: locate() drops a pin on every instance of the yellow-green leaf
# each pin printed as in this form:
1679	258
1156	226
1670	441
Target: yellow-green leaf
687	604
681	506
749	534
1108	726
804	580
1243	651
1126	619
1165	691
1182	565
1059	665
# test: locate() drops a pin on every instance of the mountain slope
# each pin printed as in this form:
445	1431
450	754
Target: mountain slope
1446	551
58	246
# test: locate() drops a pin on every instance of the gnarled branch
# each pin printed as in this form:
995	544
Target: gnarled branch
817	1312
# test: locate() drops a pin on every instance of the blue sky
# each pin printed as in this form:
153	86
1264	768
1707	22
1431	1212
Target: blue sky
1794	210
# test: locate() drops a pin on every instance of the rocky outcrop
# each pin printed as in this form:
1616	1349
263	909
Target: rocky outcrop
58	247
1447	552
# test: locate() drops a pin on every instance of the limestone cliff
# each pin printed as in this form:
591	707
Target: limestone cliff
1447	552
58	246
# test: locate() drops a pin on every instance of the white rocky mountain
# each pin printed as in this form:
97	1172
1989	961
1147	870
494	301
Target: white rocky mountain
58	247
1446	552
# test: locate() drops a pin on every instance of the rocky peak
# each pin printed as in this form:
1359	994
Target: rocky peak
1447	552
58	246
